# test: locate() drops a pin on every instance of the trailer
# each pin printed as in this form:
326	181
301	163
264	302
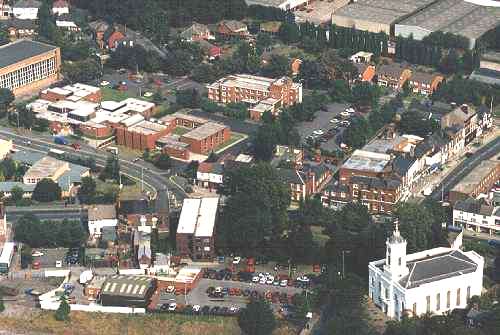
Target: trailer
6	257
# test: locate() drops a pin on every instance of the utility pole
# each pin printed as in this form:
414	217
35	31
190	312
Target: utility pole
142	179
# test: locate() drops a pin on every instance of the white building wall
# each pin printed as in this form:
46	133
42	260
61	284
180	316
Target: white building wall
25	13
404	30
95	227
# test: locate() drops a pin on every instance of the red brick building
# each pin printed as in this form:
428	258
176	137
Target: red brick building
72	93
142	135
96	130
254	89
206	138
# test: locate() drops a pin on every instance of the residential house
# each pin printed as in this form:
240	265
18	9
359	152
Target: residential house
7	186
66	22
270	27
196	229
26	9
196	32
489	69
462	121
476	215
5	10
113	37
99	28
60	7
433	281
100	216
210	50
210	175
335	195
366	72
306	180
361	57
425	83
295	65
18	29
393	75
232	28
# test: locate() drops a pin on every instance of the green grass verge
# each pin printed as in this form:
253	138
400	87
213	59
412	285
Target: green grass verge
235	137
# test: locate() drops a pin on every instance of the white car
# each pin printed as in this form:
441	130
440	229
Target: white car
262	280
233	309
104	83
255	279
334	121
284	283
350	110
345	123
270	280
170	289
196	308
345	114
236	260
148	94
36	254
303	279
58	264
172	306
318	132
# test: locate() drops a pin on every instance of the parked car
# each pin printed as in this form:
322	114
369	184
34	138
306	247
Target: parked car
284	283
205	310
255	279
196	309
37	254
171	289
172	307
104	83
318	132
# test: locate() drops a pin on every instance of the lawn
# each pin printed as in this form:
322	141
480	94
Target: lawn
235	137
43	322
180	130
318	235
109	94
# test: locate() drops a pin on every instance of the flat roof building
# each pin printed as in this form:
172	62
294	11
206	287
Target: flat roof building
207	137
281	4
196	230
26	66
142	135
127	291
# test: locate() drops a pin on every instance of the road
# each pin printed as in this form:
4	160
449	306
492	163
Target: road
152	177
466	167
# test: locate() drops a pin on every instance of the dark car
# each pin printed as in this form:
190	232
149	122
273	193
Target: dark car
164	307
224	311
215	310
205	310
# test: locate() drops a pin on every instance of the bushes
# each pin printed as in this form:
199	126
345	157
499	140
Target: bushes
46	190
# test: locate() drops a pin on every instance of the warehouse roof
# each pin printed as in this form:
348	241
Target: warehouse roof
129	286
380	11
367	161
22	49
455	16
204	131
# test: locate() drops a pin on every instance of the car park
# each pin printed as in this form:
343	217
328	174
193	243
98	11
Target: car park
205	310
270	280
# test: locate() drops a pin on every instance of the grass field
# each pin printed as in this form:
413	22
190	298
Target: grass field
115	324
109	94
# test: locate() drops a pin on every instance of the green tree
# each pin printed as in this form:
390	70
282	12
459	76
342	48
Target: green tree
17	194
46	190
366	95
256	209
2	306
83	71
263	42
289	33
63	311
6	100
26	256
257	318
112	169
189	98
357	133
26	116
8	167
265	142
278	66
88	190
340	91
163	161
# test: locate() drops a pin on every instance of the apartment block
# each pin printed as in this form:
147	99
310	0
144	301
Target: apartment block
254	89
142	135
206	138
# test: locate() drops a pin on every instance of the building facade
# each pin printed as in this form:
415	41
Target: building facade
432	281
27	66
474	215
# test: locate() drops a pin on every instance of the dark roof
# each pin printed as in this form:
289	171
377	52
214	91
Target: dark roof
401	164
468	205
335	186
20	50
423	77
435	141
317	169
27	4
438	267
393	70
290	176
20	24
377	183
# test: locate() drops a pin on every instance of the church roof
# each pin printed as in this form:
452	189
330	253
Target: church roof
438	267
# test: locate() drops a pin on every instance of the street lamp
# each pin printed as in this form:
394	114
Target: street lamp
343	262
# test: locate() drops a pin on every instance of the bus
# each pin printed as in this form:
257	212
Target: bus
56	153
6	257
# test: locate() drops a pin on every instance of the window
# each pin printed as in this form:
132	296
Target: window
458	297
414	308
468	293
448	298
388	259
399	261
380	287
428	300
438	301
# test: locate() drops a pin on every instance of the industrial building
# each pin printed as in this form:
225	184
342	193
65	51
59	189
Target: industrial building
27	66
468	18
127	291
281	4
196	230
460	17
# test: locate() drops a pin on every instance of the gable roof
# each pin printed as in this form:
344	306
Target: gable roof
194	29
393	70
290	176
442	266
198	217
27	4
234	25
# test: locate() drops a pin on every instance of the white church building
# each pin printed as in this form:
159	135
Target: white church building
431	281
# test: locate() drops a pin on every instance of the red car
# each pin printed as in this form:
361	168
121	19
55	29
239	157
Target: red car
76	146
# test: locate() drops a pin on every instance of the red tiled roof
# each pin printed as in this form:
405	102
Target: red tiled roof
205	167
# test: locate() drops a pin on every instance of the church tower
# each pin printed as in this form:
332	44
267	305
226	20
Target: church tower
395	254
